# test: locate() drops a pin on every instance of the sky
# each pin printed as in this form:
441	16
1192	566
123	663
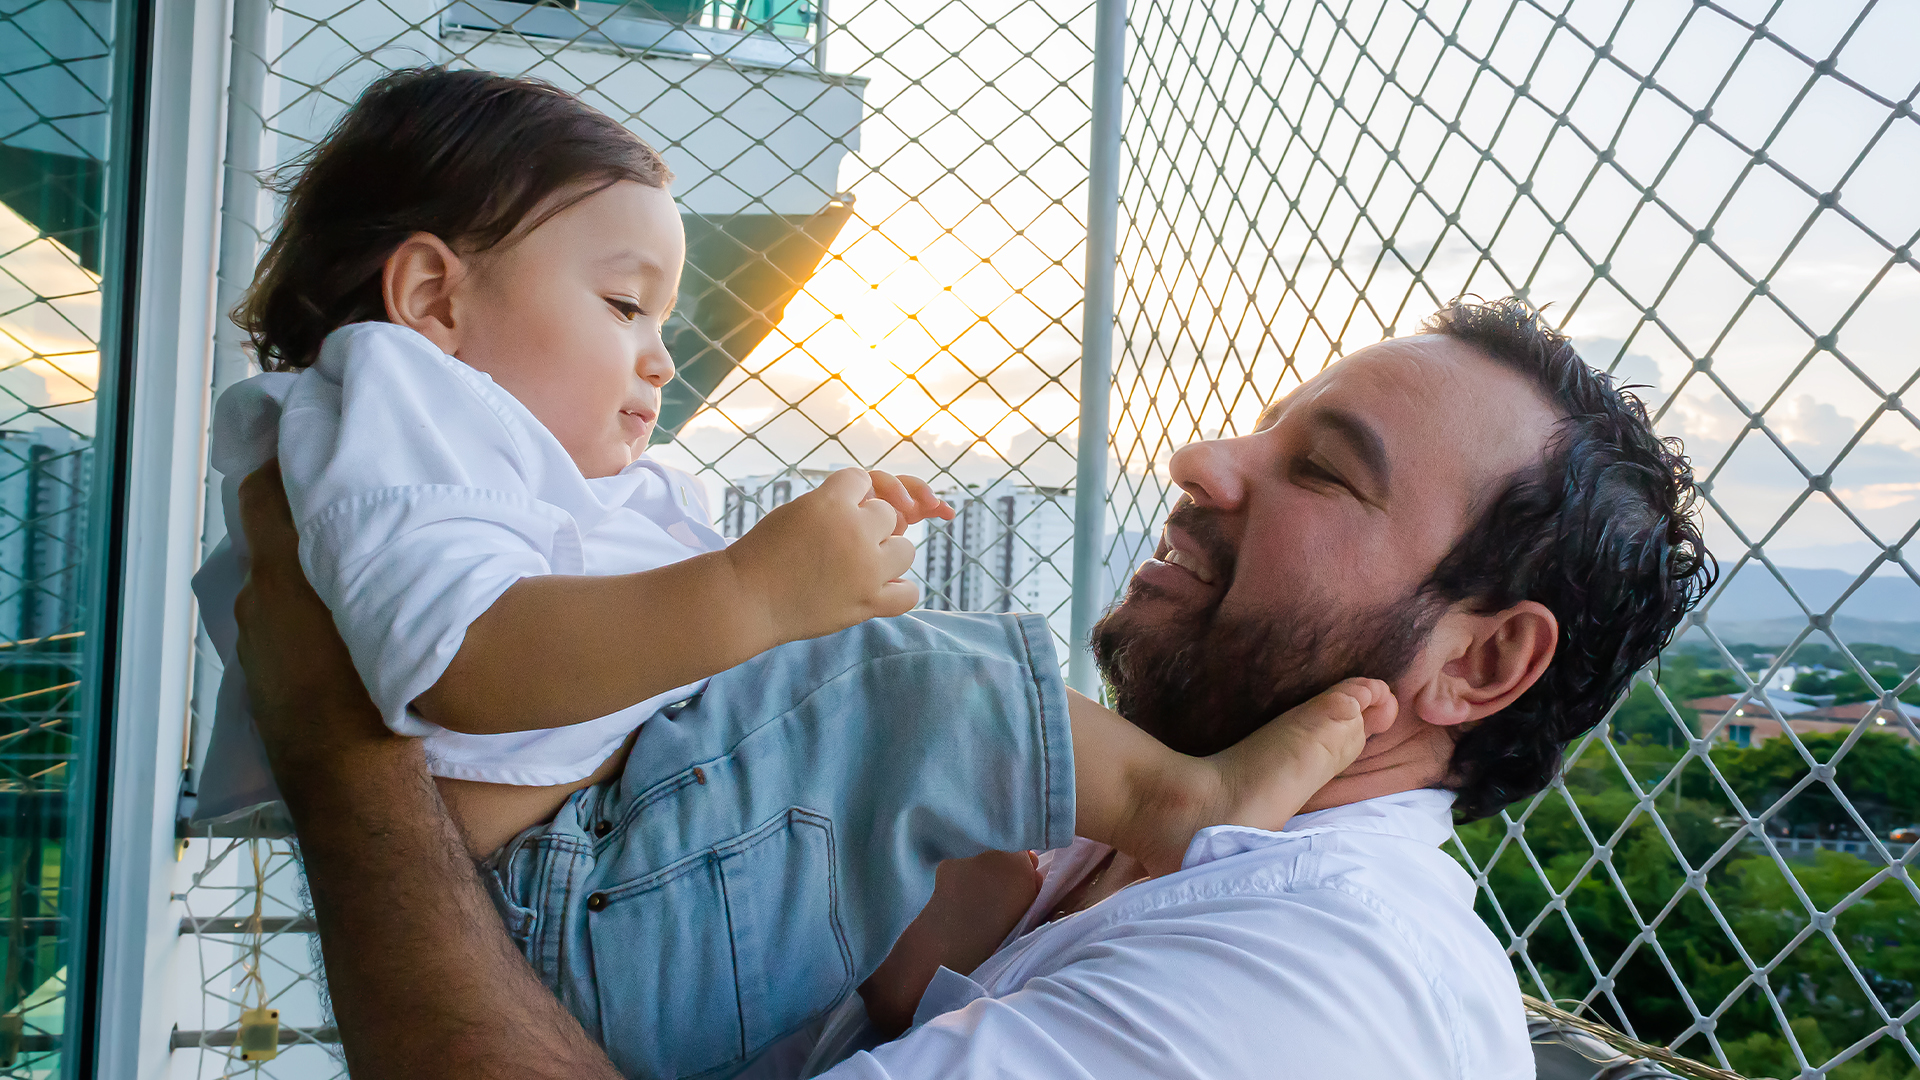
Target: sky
1246	265
1284	201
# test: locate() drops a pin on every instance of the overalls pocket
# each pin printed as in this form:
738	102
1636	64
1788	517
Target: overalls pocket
701	965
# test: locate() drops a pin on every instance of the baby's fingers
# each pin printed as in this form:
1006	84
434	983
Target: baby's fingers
878	520
889	487
847	486
926	503
896	598
896	556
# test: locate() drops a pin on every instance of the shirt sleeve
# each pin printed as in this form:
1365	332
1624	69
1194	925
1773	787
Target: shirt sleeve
417	488
1211	994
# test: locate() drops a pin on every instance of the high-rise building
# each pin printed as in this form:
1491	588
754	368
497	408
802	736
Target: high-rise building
45	489
1008	548
748	498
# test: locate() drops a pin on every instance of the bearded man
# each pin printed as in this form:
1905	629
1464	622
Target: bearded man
1470	513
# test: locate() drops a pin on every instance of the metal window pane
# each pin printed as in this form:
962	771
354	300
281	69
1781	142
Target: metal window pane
65	87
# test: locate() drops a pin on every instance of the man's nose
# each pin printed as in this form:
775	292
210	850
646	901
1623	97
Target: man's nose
1212	472
655	363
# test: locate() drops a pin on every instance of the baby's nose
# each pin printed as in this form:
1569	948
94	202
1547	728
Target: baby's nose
655	363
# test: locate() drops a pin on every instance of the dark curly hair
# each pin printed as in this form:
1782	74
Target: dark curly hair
1604	533
464	155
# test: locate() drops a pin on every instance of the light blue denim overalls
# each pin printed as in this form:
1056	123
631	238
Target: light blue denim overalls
770	839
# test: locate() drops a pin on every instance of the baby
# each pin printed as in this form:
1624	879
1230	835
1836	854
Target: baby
709	783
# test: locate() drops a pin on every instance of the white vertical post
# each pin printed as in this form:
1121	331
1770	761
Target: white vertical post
820	36
139	1002
240	191
240	225
1096	337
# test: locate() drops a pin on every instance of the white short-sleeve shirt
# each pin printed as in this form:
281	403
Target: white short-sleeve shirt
422	491
1343	948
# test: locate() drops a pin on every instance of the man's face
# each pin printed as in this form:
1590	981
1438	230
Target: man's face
1296	556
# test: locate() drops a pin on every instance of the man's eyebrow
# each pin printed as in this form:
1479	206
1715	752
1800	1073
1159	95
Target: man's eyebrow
1361	437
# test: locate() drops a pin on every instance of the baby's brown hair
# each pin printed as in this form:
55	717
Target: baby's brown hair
464	155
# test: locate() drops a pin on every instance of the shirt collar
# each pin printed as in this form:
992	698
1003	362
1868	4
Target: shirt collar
1423	815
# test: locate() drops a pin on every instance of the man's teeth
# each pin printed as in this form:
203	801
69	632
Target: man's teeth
1190	564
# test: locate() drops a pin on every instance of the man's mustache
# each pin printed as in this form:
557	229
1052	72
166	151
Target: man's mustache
1202	526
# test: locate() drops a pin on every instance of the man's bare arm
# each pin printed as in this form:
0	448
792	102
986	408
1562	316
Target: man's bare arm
425	983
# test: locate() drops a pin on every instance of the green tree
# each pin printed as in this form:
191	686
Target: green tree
1880	776
1684	678
1848	687
1827	1007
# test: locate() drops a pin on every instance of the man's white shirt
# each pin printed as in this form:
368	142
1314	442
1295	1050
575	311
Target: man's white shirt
1345	946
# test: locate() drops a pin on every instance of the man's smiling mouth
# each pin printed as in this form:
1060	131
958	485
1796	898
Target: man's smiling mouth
1189	563
1180	547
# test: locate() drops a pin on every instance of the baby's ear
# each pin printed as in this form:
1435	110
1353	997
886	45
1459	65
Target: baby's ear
418	282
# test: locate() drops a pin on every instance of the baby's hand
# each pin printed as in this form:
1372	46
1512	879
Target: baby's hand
829	559
911	496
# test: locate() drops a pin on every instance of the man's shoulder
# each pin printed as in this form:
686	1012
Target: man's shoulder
1348	918
1353	885
1369	878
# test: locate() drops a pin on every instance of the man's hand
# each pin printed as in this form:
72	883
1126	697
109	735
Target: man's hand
425	983
308	702
976	903
829	559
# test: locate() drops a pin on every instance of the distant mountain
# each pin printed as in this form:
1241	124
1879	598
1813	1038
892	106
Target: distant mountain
1756	594
1755	607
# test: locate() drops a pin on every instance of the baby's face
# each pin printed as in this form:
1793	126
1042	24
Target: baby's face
567	319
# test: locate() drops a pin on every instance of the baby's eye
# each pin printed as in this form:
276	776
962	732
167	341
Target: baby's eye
628	309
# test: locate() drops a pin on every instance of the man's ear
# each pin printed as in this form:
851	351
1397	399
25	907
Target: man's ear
417	282
1485	662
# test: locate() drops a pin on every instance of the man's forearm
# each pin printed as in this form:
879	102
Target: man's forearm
424	981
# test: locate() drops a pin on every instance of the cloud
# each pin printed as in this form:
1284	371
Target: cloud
1755	483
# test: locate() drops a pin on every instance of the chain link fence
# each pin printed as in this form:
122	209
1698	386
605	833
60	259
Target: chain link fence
883	208
886	216
1716	200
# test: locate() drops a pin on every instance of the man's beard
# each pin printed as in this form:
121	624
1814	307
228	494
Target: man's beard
1203	683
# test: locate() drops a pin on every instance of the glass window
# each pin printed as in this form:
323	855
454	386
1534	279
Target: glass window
62	77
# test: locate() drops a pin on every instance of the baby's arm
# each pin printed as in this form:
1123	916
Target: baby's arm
1136	795
556	650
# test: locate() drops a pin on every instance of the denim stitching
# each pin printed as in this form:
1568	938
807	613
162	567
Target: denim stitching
1046	759
791	817
1046	730
733	950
